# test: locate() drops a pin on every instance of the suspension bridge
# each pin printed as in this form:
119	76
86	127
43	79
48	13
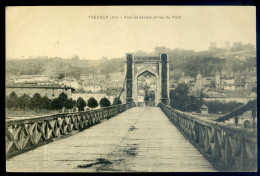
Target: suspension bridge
128	138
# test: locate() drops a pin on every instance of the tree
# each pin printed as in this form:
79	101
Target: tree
216	107
12	100
56	104
23	101
117	101
180	99
69	103
8	104
104	102
59	103
61	75
81	104
36	101
63	97
92	102
46	103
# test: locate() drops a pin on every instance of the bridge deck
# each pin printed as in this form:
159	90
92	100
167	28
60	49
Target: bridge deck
140	139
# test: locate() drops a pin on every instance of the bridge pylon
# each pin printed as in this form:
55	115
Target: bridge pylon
157	66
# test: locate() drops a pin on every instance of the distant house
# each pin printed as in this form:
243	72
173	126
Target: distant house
229	86
204	109
240	84
51	90
74	84
224	82
70	82
92	88
252	96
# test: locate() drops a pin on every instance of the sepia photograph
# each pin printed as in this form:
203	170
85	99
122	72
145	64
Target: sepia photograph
130	89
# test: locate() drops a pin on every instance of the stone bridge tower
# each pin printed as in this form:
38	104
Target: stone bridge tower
155	65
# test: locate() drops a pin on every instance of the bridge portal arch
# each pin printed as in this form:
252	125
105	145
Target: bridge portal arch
157	66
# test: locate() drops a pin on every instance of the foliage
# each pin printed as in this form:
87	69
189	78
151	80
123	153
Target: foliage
117	101
56	104
69	103
182	61
81	104
63	98
11	101
92	103
46	103
179	99
61	101
206	65
216	107
36	101
61	75
104	102
24	101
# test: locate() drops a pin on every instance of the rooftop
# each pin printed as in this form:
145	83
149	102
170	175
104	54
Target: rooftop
35	85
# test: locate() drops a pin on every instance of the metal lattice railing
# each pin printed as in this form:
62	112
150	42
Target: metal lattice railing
27	134
227	148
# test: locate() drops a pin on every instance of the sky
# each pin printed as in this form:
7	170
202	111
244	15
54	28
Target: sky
68	31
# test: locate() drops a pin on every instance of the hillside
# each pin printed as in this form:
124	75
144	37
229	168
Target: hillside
55	67
182	63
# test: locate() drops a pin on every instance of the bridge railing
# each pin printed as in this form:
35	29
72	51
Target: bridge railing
26	134
227	148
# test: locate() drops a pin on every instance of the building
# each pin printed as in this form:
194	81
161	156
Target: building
70	82
202	83
252	96
51	91
213	46
240	84
31	78
224	82
204	109
92	88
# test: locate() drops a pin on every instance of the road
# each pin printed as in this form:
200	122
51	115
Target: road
138	140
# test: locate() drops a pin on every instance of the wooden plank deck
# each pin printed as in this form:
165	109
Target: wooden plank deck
138	140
